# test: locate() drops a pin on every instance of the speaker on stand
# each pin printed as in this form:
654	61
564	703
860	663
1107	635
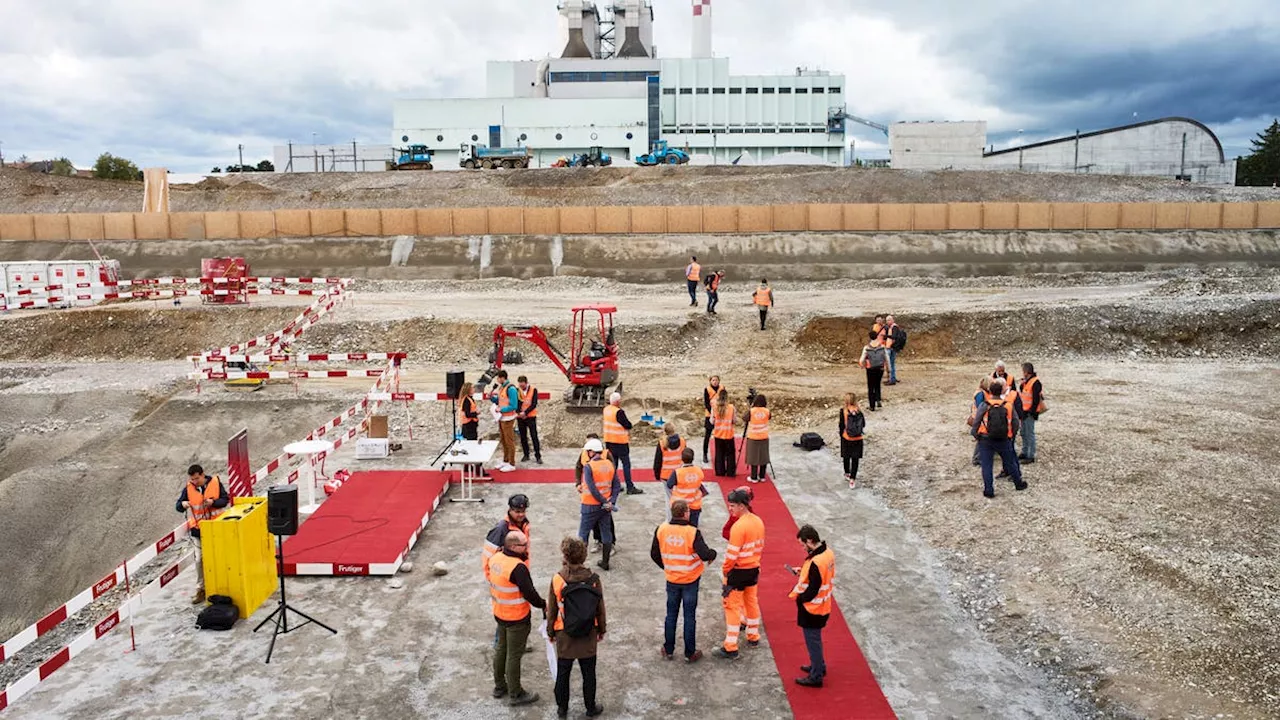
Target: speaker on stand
282	519
453	381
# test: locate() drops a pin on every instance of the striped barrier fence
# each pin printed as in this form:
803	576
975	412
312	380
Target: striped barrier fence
300	357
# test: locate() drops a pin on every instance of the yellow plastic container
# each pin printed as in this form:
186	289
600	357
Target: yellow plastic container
239	555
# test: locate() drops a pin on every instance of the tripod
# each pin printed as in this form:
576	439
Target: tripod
281	613
453	437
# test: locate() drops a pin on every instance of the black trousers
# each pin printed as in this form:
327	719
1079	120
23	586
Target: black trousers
851	454
726	461
564	668
874	376
707	428
470	431
764	312
527	427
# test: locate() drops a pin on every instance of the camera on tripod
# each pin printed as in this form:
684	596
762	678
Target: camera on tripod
751	395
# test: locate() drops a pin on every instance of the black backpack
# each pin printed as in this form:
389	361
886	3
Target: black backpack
997	423
856	424
221	614
899	338
580	601
810	441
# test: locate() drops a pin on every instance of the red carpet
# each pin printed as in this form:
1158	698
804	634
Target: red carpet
851	690
366	527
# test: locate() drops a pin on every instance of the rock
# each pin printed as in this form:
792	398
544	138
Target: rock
396	583
440	568
406	566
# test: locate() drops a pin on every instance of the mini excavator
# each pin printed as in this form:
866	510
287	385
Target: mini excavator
591	365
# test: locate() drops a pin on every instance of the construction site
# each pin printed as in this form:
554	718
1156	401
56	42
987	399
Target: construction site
1138	576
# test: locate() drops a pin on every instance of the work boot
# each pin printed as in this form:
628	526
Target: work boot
726	654
198	597
524	698
695	657
633	490
596	711
604	560
538	459
813	682
753	643
499	692
524	457
1020	486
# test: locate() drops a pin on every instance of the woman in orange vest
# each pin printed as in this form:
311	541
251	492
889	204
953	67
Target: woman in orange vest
666	457
722	414
812	593
469	418
758	439
575	575
852	423
763	300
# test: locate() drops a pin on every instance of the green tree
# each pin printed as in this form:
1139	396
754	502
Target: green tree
266	166
1262	166
63	166
217	170
110	167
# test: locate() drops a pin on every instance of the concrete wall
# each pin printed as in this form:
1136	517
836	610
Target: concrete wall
937	145
745	219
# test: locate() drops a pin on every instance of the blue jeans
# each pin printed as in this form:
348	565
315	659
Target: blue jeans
593	515
693	291
686	595
713	299
694	516
1029	436
893	365
813	641
987	451
622	453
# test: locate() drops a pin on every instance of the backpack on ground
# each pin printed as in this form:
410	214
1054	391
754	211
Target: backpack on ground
997	423
899	338
810	441
221	614
580	601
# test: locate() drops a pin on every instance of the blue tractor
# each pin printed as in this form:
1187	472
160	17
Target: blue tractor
414	157
594	157
660	154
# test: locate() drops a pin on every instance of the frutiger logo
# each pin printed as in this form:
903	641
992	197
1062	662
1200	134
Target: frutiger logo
351	570
102	587
168	575
164	544
107	624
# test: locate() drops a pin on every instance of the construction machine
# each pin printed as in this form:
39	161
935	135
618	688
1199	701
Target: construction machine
595	157
472	156
591	365
414	157
661	154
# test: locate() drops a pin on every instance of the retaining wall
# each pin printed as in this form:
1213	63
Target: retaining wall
641	220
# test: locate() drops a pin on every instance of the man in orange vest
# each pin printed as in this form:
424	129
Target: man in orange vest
599	498
740	575
678	548
692	274
995	426
512	593
685	485
517	519
713	291
617	437
812	593
666	458
584	457
1030	405
527	419
203	498
763	299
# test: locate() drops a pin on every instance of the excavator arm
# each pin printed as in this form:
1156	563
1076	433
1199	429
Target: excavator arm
534	335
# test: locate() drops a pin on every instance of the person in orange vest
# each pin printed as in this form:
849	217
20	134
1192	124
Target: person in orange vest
877	327
763	299
995	426
599	498
617	437
852	424
740	576
722	418
1030	405
469	417
713	290
708	396
1001	374
758	439
203	498
576	637
666	458
692	274
583	458
812	593
527	419
512	593
517	519
685	485
679	549
507	400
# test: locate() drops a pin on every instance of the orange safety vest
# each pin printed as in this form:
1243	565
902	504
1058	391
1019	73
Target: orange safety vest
746	543
877	328
821	603
711	397
715	283
1026	395
763	296
724	424
693	272
526	398
602	474
679	560
502	402
997	403
195	497
508	603
844	421
557	588
671	459
468	404
613	430
688	486
758	427
490	549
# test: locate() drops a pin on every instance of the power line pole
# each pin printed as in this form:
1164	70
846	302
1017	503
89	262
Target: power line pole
241	157
1076	165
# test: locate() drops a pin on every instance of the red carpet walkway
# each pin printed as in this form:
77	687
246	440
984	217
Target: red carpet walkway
368	526
851	690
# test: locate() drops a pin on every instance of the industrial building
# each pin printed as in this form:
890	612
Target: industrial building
609	88
1174	148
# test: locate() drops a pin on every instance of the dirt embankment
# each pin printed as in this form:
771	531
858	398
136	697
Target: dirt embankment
25	192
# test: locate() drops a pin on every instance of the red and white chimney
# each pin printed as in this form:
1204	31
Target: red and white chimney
701	28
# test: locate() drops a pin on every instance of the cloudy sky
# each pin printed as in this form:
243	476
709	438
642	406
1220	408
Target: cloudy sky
181	84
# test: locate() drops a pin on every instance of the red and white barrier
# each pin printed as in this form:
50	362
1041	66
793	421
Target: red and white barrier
299	358
281	374
429	397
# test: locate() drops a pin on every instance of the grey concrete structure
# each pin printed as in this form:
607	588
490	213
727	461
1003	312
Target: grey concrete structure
937	145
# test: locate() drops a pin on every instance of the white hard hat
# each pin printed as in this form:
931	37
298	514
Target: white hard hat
615	398
594	445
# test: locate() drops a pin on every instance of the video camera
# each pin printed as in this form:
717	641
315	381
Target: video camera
751	395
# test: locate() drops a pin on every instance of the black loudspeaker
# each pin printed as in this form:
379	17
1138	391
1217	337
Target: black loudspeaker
282	510
453	381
